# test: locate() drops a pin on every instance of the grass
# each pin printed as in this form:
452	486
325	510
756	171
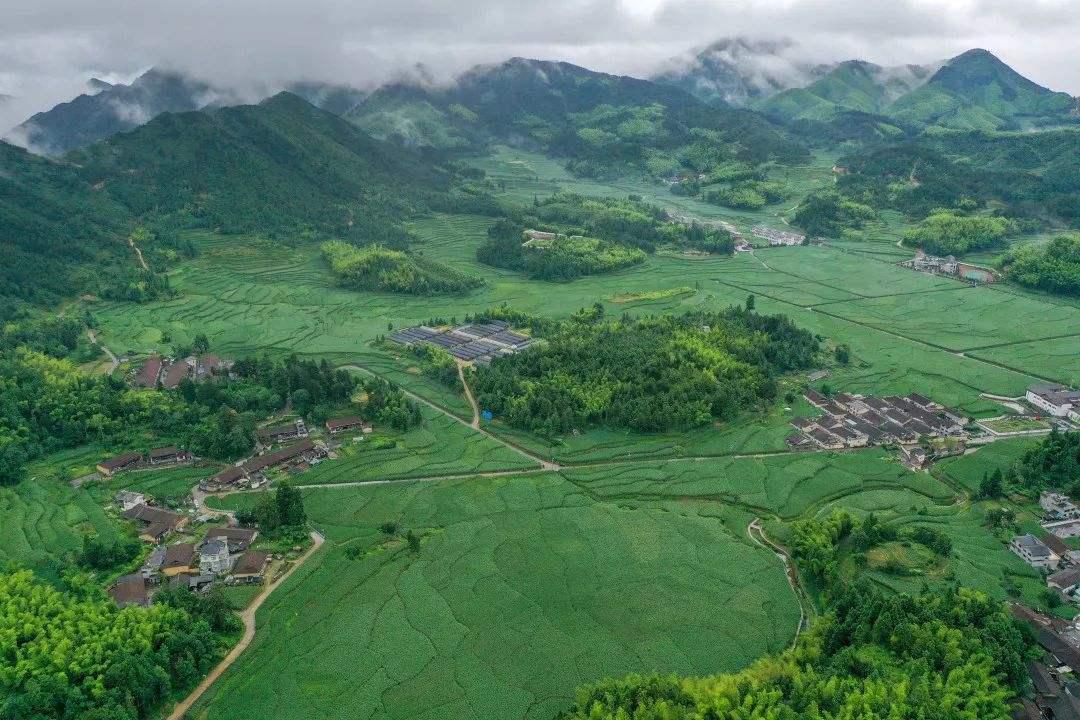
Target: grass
441	446
1016	424
636	297
523	588
967	470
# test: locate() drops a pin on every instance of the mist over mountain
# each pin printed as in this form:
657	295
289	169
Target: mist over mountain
738	71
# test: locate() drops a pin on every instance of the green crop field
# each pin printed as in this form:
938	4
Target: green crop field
523	588
1057	360
159	483
441	446
967	470
787	485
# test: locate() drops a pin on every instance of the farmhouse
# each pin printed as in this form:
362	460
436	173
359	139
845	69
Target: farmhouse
157	522
179	558
1065	580
130	590
153	563
125	499
209	365
280	433
860	421
344	424
214	556
120	462
229	476
1057	400
777	237
237	538
168	455
1058	506
149	372
1032	551
251	567
303	450
177	371
1063	528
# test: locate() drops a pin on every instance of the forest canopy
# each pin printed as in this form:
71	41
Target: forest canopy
1054	267
948	233
648	374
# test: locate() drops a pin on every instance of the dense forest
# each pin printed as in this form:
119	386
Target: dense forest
949	233
595	236
373	267
649	374
940	653
1052	464
1054	267
73	655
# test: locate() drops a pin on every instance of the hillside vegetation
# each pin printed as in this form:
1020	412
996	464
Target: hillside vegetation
1054	266
651	374
282	168
374	267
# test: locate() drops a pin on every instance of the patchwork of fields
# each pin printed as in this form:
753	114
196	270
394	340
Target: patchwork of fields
530	583
523	588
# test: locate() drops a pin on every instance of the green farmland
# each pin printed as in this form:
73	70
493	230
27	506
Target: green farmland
514	576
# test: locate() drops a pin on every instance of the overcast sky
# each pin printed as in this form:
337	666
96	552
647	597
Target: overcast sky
48	48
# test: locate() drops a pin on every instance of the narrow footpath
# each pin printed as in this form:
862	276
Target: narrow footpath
248	617
475	424
112	358
757	535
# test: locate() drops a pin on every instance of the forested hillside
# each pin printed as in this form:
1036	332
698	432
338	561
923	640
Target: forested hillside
280	167
604	124
59	236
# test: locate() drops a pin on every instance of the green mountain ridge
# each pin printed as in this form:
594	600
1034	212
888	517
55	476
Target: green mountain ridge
607	123
282	166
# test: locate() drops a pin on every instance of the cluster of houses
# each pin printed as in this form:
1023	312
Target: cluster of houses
167	372
1050	553
949	265
1056	694
157	457
1055	400
224	555
849	421
478	343
776	237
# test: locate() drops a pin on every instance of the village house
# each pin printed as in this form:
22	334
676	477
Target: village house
179	558
152	566
148	374
280	433
167	455
214	556
344	424
238	538
130	590
1058	506
1063	528
177	371
1056	400
305	450
251	567
125	500
1033	551
120	462
157	522
1065	580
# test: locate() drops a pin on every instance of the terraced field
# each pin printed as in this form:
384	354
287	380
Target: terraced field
442	446
523	588
788	485
967	470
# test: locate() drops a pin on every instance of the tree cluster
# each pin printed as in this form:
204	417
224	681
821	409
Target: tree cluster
650	374
373	267
1053	464
1054	267
278	512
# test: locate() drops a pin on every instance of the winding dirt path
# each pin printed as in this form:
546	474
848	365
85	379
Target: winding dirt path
138	254
475	424
248	617
757	535
112	358
544	463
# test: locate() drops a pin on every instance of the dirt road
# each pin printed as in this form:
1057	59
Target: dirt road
248	617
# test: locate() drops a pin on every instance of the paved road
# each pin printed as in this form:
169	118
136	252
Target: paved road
248	617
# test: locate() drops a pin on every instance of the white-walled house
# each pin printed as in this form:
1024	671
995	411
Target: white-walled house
1034	551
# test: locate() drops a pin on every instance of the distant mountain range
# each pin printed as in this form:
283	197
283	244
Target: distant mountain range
106	109
854	99
973	91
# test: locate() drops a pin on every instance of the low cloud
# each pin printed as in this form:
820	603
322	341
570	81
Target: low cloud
49	48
